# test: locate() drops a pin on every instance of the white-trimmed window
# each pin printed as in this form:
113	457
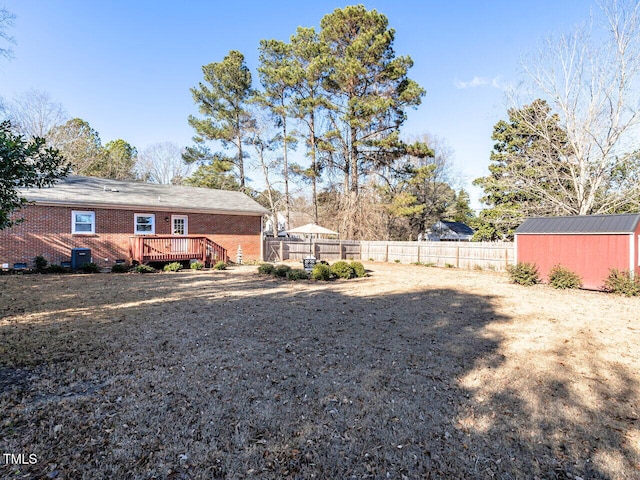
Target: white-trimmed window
83	222
144	224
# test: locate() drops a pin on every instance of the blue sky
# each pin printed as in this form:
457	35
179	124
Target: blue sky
126	66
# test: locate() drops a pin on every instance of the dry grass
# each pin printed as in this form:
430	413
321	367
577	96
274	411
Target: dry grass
414	372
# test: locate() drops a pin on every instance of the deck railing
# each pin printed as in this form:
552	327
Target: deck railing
167	248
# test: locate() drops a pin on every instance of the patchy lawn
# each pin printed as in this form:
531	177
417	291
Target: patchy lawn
414	372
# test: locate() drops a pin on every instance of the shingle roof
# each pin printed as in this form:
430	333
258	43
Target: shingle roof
76	190
460	228
623	223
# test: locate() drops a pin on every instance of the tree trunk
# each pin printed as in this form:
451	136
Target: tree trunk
353	161
285	172
241	165
314	166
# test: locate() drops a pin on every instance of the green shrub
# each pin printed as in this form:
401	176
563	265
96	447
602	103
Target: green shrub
196	266
358	269
430	264
622	283
397	261
449	265
342	269
321	272
90	268
297	274
523	273
120	268
478	267
281	270
144	269
41	263
266	269
172	267
53	268
220	265
561	277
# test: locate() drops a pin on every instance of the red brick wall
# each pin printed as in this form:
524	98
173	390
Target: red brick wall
46	231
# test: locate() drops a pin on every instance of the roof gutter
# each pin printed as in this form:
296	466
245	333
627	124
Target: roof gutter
160	208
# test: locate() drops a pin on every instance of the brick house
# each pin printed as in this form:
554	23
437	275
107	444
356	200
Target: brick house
127	221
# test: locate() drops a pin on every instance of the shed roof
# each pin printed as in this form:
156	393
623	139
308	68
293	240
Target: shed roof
92	191
581	224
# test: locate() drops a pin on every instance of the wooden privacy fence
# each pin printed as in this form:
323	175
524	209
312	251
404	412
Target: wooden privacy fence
468	255
277	249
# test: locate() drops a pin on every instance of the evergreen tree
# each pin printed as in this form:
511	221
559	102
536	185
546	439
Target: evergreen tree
224	103
461	209
528	171
216	174
24	164
117	161
277	79
79	144
369	89
309	61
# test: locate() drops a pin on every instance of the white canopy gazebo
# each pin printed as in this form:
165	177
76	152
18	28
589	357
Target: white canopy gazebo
311	229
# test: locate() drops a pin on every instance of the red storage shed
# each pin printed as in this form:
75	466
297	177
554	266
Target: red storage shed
588	245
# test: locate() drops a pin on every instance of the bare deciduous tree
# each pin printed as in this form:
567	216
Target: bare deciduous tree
162	163
591	79
34	114
6	20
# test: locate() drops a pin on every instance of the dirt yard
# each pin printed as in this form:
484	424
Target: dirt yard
411	373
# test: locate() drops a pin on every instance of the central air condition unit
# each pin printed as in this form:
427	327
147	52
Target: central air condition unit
80	256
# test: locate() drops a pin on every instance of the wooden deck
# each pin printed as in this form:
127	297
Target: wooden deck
170	248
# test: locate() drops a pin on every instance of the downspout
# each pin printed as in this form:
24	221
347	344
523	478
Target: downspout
263	239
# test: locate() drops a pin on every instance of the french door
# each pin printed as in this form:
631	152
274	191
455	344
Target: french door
179	227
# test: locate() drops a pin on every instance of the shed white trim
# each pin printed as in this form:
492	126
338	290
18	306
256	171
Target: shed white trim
632	254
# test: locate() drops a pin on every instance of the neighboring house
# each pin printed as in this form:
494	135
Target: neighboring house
589	245
296	219
449	231
127	221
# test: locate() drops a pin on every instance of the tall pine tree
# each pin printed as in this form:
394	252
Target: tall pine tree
223	100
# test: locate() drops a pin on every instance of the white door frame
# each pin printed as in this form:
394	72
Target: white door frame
180	245
186	224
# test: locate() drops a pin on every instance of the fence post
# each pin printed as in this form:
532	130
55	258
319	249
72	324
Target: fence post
386	252
458	256
281	251
418	244
340	246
